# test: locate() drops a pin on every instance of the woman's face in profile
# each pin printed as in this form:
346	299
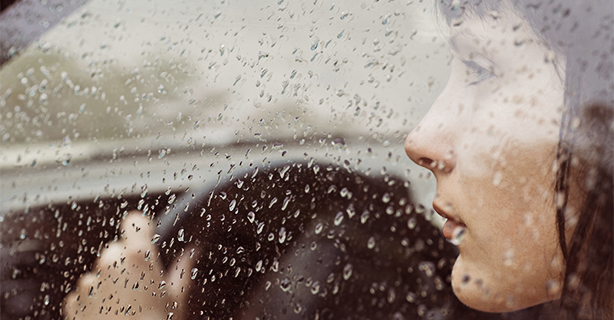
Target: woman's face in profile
490	139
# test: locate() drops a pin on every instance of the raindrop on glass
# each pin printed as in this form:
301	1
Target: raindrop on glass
347	271
371	243
319	227
338	218
285	284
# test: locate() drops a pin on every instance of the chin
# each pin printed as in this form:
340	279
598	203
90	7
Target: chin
483	296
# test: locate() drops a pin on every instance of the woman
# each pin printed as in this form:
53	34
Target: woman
520	142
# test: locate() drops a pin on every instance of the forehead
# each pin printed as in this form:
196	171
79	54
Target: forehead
494	29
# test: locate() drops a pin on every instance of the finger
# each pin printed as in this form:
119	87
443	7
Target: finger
86	285
111	258
136	228
75	301
71	305
181	274
137	234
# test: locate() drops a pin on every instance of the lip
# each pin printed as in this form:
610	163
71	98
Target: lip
451	227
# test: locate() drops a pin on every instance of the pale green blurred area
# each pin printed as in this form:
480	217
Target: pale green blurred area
151	77
124	70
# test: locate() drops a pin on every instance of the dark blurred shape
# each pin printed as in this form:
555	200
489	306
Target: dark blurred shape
23	22
290	241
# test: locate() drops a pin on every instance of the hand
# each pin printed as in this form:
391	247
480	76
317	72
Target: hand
129	279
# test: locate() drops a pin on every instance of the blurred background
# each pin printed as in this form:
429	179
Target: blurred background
148	76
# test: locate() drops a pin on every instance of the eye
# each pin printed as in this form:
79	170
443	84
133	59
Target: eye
478	72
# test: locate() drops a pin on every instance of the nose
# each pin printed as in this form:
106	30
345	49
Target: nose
430	144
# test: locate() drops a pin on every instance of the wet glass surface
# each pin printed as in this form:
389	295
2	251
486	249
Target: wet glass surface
268	134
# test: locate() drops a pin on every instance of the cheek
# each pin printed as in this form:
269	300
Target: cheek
511	241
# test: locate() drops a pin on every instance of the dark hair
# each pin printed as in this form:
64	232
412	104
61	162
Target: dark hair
580	31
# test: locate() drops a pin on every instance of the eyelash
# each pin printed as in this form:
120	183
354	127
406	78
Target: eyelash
480	72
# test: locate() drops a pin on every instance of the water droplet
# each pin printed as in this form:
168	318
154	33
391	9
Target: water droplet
392	295
251	216
233	205
313	246
258	265
364	216
285	284
386	197
172	198
194	273
390	210
411	223
338	218
314	43
316	169
371	243
180	235
457	235
260	228
285	204
347	271
66	159
465	280
273	201
411	297
553	287
350	211
298	308
386	20
427	267
509	257
282	235
262	54
143	191
496	178
315	287
319	227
